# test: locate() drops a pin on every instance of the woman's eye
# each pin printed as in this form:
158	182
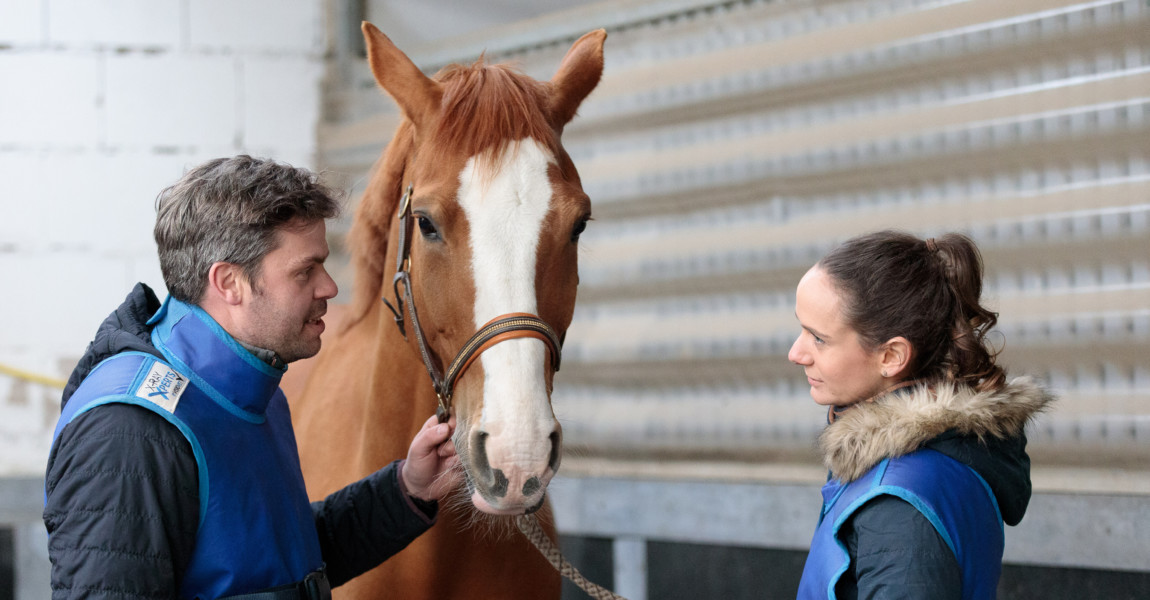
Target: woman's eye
580	226
427	228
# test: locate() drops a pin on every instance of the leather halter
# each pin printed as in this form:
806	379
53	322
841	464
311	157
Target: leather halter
500	329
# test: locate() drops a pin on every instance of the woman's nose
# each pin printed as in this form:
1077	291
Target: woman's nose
796	353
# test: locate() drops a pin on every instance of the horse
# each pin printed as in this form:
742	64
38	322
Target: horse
472	214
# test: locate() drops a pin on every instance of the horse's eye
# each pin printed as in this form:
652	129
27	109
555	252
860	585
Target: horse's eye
580	225
427	228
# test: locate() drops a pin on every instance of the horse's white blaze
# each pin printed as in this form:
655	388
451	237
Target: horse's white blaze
505	210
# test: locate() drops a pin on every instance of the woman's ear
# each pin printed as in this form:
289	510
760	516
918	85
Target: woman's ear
895	358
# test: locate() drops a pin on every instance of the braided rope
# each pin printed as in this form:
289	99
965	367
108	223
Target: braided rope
533	532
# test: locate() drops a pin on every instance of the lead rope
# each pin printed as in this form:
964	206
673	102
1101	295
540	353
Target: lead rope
529	525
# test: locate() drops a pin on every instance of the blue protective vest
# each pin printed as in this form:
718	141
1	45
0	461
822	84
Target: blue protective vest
951	495
256	528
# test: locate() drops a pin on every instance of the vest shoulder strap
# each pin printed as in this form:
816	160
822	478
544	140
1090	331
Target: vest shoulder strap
139	379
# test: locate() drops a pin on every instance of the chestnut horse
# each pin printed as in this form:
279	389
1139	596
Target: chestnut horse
496	209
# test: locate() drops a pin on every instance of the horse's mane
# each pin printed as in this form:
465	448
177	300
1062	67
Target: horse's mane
485	108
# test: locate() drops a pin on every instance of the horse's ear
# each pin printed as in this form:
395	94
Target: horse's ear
417	95
578	74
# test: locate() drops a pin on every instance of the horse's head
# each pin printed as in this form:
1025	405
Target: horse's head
496	210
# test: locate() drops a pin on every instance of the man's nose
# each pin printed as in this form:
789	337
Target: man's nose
327	288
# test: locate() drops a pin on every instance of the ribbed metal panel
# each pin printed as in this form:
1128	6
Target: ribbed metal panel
730	145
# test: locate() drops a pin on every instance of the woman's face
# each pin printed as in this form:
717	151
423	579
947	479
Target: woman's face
839	370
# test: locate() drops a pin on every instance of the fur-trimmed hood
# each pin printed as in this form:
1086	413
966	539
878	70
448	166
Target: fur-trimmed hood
985	430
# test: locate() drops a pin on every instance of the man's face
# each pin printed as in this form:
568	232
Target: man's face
285	309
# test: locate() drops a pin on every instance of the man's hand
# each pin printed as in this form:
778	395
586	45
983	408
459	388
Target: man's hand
432	467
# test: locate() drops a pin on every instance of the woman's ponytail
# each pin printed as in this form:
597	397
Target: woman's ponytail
969	359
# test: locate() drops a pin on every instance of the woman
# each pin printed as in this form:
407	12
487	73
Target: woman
925	442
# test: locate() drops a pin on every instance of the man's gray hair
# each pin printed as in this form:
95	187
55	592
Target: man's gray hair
229	210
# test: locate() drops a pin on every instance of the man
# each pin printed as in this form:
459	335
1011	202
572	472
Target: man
174	471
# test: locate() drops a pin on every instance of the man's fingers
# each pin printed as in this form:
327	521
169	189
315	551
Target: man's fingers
434	432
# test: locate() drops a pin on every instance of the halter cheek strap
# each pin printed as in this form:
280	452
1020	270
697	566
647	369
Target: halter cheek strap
402	261
500	329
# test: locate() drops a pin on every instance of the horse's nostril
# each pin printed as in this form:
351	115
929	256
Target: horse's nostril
499	488
556	451
533	484
480	465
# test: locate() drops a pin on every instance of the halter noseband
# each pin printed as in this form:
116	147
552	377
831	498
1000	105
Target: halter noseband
500	329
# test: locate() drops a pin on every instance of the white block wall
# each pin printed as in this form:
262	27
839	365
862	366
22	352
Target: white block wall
103	103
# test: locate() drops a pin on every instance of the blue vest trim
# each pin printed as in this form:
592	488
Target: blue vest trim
827	506
177	308
135	383
171	313
890	490
209	391
878	472
990	493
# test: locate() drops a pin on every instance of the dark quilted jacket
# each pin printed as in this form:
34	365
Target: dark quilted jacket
122	501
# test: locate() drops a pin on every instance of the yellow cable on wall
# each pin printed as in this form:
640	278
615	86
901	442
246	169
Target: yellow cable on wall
33	377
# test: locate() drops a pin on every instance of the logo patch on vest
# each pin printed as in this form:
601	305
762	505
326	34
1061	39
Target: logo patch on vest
163	387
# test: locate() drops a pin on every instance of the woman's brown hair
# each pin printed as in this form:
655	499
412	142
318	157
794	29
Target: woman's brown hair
927	291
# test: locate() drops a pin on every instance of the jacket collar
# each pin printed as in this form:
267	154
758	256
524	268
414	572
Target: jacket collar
197	346
900	422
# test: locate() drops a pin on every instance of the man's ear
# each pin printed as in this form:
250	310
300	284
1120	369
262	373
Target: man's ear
227	283
895	358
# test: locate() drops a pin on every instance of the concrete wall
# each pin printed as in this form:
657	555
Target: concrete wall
102	105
